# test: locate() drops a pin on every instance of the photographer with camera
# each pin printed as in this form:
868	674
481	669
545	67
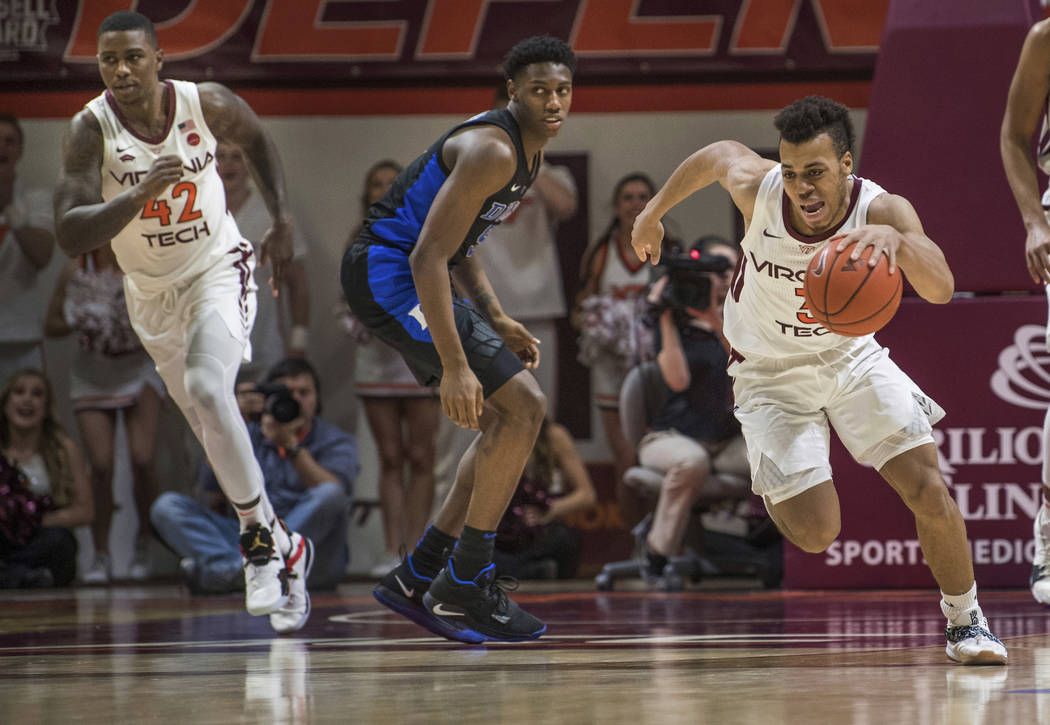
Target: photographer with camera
309	468
694	432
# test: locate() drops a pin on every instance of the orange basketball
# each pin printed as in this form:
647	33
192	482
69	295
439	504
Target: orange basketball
847	296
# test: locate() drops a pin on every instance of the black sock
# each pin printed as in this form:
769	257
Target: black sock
431	551
657	562
473	552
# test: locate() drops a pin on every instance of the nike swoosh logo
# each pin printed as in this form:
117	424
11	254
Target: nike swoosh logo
501	618
408	592
765	233
440	610
122	150
515	187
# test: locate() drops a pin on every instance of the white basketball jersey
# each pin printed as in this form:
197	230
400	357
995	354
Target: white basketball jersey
765	312
185	230
622	277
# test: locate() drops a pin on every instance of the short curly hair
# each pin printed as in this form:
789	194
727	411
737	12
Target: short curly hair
811	116
537	49
129	20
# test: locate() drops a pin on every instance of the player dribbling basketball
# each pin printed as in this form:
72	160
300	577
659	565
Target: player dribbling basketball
793	378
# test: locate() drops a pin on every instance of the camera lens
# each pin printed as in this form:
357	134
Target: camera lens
282	406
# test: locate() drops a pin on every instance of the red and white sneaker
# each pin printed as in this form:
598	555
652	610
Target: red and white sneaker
293	615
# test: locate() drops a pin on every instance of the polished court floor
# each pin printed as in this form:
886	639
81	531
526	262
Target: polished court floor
154	654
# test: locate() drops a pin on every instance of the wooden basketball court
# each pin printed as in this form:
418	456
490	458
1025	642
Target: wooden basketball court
154	654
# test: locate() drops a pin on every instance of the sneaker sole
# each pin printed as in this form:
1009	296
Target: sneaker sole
464	633
985	657
417	614
306	591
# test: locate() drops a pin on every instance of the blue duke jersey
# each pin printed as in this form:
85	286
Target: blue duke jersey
765	312
397	219
186	230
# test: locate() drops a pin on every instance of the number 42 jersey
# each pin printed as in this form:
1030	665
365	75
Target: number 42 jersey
186	230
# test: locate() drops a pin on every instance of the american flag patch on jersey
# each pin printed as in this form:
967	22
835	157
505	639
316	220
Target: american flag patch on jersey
187	126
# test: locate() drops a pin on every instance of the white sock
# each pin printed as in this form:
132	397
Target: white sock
961	609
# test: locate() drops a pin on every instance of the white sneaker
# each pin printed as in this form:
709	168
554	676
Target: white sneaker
974	643
139	570
293	615
98	572
265	575
1040	580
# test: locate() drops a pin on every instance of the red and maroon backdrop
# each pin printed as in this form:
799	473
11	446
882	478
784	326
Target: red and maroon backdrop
403	56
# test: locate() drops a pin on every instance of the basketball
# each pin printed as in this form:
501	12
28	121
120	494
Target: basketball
847	296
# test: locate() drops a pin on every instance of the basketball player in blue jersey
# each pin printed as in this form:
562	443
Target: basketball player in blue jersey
396	280
793	379
138	170
1027	107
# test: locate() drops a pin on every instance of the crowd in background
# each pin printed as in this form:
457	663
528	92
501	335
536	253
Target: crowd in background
52	482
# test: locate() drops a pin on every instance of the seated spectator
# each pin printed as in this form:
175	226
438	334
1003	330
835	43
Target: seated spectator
44	489
694	431
110	373
532	540
309	468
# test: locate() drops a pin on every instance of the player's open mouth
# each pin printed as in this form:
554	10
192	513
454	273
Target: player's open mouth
812	208
553	122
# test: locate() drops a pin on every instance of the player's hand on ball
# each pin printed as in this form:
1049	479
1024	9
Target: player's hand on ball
882	238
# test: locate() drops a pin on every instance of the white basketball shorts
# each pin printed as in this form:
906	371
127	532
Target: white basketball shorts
785	406
165	321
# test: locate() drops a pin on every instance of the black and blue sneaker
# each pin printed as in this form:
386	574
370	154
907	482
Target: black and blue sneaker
402	591
479	610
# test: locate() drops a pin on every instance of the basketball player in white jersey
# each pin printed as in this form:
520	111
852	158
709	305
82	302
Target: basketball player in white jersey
1027	108
139	169
792	378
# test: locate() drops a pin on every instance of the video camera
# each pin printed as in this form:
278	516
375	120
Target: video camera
689	278
279	402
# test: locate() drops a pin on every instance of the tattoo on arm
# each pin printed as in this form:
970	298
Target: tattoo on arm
483	302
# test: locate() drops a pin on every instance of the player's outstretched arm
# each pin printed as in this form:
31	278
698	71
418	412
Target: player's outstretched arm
894	229
82	220
231	119
1024	109
483	161
731	164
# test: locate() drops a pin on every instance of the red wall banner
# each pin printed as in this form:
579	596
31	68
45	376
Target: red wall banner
985	361
49	44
